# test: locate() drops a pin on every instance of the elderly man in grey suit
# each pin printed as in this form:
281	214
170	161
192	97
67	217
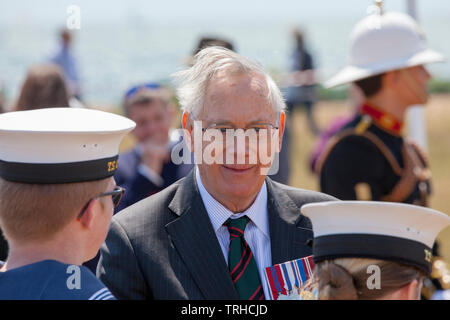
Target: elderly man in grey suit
211	234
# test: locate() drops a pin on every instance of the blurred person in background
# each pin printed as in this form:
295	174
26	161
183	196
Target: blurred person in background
213	41
299	91
148	168
44	87
210	41
300	81
64	58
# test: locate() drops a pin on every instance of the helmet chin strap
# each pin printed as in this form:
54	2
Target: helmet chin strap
414	86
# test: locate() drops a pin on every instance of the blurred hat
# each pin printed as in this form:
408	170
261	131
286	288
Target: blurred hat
384	42
205	42
396	232
60	145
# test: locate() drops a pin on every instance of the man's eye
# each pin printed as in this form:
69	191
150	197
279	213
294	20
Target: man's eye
223	129
257	129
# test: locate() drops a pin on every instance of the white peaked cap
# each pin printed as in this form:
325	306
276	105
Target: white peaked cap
383	230
380	43
60	145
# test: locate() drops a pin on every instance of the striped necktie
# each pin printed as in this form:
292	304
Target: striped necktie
241	263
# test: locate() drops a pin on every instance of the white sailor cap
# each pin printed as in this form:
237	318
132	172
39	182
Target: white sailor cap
397	232
60	145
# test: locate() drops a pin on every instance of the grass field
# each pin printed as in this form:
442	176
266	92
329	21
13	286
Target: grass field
438	130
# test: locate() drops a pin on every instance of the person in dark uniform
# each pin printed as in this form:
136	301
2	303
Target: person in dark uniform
57	196
369	159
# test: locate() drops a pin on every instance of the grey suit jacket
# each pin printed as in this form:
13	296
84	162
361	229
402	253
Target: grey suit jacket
164	247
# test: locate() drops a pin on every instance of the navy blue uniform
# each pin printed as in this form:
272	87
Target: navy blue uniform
52	280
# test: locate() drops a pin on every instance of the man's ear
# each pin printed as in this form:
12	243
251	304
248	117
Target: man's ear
411	291
414	289
188	127
185	121
88	216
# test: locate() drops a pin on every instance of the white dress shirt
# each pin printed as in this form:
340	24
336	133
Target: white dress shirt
256	233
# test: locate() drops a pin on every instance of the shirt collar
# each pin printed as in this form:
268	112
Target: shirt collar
218	213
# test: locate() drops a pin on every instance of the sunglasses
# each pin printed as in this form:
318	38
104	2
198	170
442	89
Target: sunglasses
133	90
115	194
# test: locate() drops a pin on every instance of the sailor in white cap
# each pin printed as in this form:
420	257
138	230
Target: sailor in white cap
368	159
57	196
372	250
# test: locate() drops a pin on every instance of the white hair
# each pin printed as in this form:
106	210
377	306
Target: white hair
192	82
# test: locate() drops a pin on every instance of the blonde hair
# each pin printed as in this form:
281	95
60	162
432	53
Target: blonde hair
30	212
346	278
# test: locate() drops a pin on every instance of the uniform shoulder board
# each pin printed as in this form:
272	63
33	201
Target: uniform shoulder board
363	124
363	191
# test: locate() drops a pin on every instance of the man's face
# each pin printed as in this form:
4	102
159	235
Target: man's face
152	121
413	85
238	101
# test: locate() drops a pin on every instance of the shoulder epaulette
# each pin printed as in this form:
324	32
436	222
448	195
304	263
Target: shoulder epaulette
363	125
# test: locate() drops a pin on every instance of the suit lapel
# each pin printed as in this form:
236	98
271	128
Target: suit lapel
195	240
290	232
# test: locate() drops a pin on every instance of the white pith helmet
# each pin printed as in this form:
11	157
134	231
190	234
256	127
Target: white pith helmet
381	43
